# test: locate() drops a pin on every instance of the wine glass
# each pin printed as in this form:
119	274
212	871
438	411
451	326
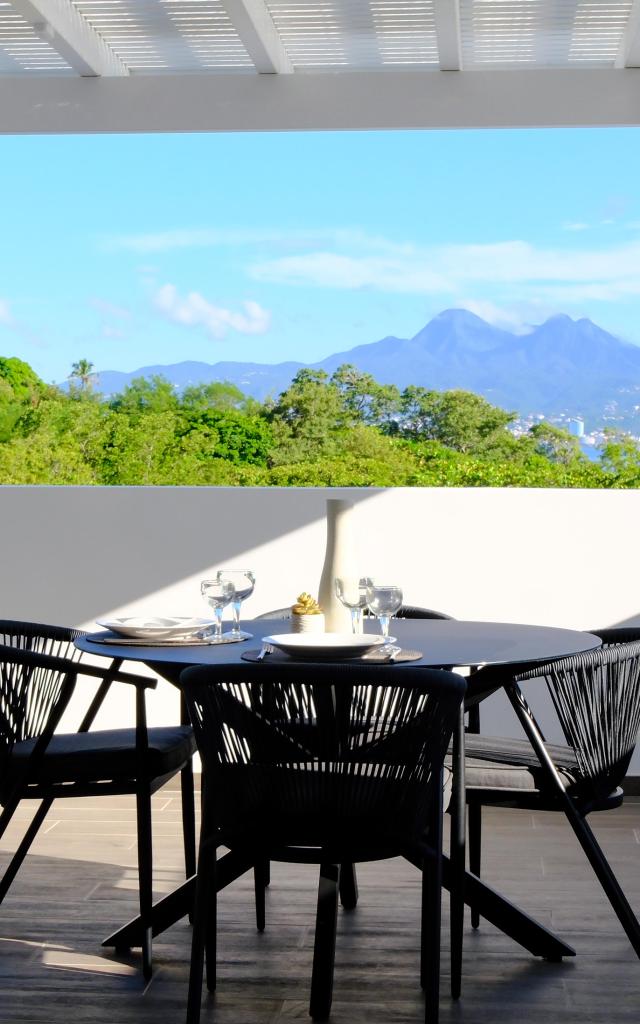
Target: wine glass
383	601
244	580
218	594
353	595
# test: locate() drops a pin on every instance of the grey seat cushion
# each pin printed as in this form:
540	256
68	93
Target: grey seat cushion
105	754
501	763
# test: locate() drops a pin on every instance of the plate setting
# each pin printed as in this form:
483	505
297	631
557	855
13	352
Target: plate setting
326	646
157	627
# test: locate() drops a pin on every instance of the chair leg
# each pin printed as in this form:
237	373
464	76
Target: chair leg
348	886
430	945
204	933
475	850
431	906
324	950
145	871
210	901
432	911
188	818
579	824
187	802
259	884
23	849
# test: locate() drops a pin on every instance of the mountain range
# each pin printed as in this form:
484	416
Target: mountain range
561	366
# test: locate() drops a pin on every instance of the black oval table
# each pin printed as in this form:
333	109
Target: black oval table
442	642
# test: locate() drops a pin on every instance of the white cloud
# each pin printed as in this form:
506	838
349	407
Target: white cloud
451	269
110	309
575	226
112	332
5	314
191	238
509	319
193	310
209	238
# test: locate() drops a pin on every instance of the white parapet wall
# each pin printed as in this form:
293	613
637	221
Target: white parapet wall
555	557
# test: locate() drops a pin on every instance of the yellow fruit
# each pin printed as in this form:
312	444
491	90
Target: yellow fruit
306	605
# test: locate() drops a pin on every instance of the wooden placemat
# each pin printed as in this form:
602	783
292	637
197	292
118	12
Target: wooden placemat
373	657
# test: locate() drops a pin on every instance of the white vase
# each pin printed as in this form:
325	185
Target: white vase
340	560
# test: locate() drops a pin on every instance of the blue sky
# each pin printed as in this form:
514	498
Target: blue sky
134	250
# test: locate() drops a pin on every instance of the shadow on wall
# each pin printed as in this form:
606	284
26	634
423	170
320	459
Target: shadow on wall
137	540
634	620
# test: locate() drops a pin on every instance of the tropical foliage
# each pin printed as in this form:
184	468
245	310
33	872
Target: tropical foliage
343	430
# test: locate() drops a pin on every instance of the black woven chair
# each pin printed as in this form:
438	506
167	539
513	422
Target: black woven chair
38	669
597	699
327	764
348	880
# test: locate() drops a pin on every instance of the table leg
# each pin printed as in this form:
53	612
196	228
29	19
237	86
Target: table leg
578	823
178	903
524	930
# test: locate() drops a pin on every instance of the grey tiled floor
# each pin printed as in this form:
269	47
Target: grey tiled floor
79	883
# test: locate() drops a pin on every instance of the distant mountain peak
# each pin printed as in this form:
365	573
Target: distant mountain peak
564	318
457	314
561	367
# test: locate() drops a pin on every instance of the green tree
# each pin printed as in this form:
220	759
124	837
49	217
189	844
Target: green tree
215	395
364	398
21	391
307	418
146	395
82	375
556	444
18	376
232	435
621	458
459	420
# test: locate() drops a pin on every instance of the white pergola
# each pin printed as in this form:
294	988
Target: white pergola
214	65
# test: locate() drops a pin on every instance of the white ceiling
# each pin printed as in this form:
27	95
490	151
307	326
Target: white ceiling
337	63
133	37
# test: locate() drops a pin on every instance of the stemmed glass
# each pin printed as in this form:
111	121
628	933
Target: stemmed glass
217	594
383	601
244	580
353	595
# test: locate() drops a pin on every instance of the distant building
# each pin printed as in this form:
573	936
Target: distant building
576	427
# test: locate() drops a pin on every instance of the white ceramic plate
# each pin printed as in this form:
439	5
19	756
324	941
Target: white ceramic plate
156	627
326	646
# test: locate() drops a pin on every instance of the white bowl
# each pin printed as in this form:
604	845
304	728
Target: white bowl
156	627
326	646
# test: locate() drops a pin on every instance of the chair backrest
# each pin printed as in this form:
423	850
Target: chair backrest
35	690
617	634
41	638
340	756
597	699
406	611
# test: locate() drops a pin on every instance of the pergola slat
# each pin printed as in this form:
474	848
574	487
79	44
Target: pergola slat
60	25
254	25
629	52
447	20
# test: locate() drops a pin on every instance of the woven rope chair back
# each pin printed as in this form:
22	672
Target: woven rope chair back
33	697
338	756
597	698
41	638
